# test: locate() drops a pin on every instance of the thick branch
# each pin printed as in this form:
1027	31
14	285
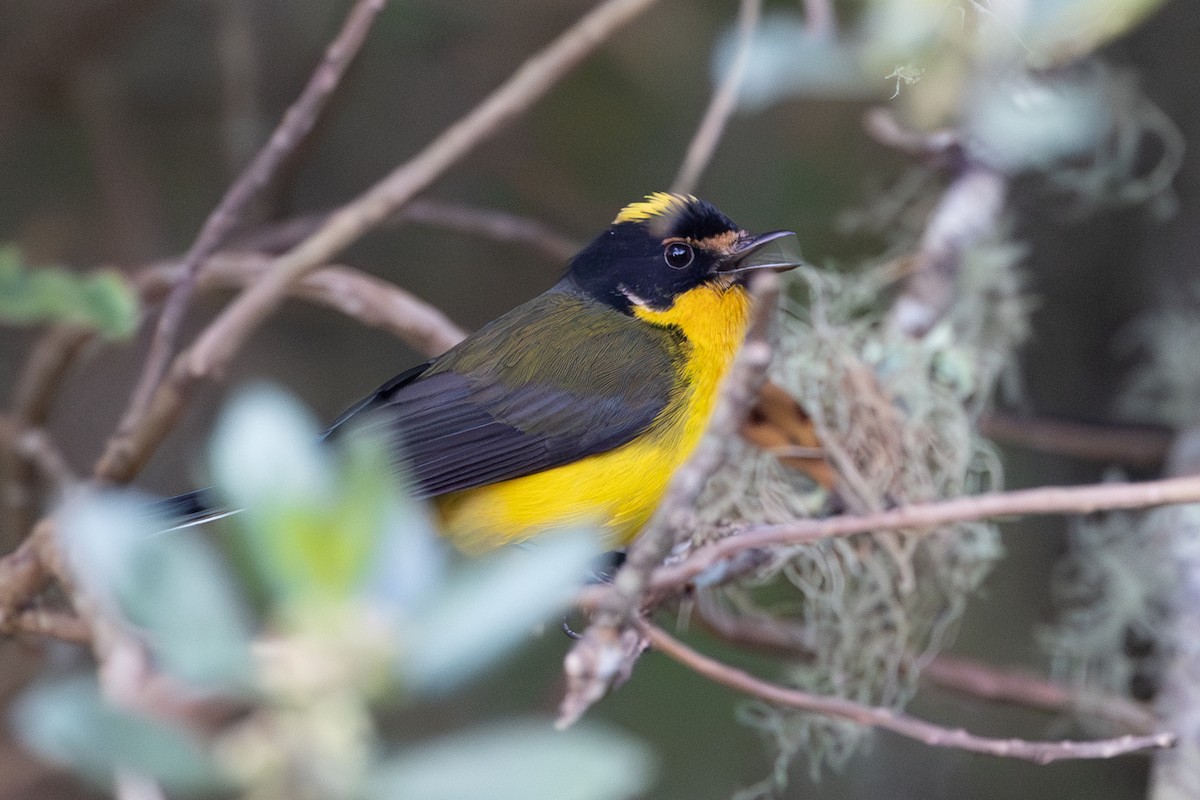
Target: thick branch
895	721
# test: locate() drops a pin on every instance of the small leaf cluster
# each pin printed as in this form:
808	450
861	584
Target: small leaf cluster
326	597
102	301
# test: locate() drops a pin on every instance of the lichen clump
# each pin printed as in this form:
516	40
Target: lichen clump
896	417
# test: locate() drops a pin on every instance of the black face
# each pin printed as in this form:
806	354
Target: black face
651	260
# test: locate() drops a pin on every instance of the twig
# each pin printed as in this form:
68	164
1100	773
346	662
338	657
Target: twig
36	448
297	123
500	226
37	386
44	622
25	571
216	346
1137	446
603	655
820	20
364	298
884	128
987	682
1044	500
720	107
895	721
967	213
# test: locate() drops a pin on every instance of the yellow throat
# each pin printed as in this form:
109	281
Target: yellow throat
619	489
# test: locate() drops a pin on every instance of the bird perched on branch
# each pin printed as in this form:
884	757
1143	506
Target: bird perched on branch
576	407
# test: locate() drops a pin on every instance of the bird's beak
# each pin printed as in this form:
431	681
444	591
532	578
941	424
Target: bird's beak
777	250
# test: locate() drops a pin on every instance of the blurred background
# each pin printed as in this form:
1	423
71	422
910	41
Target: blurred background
123	121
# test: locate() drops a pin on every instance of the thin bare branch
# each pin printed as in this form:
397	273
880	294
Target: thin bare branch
884	128
820	19
720	107
39	381
297	123
59	625
216	346
362	297
1137	446
971	677
967	213
604	655
24	572
1044	500
500	226
891	720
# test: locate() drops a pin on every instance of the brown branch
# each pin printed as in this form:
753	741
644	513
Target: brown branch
499	226
44	622
720	107
1137	446
35	448
967	676
1044	500
362	297
216	346
891	720
603	656
884	128
39	381
297	123
820	19
25	571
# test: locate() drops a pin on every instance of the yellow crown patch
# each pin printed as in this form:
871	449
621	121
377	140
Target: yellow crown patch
655	204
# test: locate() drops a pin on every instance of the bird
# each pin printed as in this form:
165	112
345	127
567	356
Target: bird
576	407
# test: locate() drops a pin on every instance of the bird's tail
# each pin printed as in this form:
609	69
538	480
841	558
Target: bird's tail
191	508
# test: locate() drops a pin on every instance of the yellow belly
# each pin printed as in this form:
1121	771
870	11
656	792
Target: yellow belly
616	491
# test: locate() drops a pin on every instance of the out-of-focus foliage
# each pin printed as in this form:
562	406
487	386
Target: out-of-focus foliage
100	300
357	605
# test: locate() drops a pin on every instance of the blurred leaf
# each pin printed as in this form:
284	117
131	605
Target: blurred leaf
318	521
99	300
267	459
491	605
68	722
1059	31
265	453
519	760
172	586
786	61
1029	122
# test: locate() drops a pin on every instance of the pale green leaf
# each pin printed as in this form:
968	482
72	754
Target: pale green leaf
491	605
69	723
102	300
171	586
519	760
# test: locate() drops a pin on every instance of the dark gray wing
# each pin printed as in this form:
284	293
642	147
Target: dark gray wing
553	381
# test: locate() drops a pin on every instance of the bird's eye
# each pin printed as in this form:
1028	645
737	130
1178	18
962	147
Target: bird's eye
678	255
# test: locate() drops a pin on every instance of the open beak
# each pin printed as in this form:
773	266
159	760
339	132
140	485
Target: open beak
777	250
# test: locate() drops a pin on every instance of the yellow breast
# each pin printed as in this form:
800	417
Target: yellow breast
617	490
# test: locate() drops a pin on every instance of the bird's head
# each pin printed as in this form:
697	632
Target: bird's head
668	244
